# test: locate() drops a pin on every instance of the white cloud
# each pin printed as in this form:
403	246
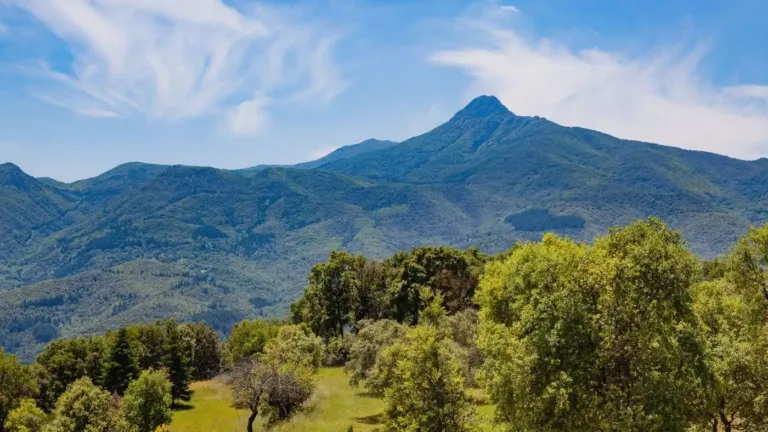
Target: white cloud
509	8
175	59
660	97
248	118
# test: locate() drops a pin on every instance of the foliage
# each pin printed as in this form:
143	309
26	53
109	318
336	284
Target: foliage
372	338
248	338
27	417
594	337
147	401
83	407
428	392
16	383
277	383
121	365
294	347
176	362
205	347
463	328
738	388
330	294
64	361
450	272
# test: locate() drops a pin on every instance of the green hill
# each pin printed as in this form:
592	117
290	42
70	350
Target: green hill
144	241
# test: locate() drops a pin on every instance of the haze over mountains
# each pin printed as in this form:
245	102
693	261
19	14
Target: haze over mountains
142	241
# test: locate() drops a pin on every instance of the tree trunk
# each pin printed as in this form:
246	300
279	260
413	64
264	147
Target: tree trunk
714	425
726	423
251	419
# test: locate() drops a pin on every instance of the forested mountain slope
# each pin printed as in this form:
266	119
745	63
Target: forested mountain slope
143	241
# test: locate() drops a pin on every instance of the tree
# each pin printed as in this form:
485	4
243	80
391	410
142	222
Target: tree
451	272
248	338
16	383
372	338
428	392
64	361
151	340
738	387
329	297
27	417
206	350
747	269
600	337
176	362
463	328
281	379
83	407
122	365
147	401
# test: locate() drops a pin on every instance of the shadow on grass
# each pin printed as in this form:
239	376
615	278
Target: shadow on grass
181	406
368	395
371	419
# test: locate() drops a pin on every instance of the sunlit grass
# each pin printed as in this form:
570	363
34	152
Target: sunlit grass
335	406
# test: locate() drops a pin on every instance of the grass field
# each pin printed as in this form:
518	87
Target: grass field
334	407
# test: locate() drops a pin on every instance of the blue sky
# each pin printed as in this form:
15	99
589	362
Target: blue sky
88	84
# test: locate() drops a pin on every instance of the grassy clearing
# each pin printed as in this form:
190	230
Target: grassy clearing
334	407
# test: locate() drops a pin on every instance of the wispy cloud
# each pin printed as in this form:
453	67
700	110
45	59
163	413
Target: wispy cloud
660	97
175	59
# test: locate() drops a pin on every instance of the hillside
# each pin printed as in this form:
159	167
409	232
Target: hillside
143	241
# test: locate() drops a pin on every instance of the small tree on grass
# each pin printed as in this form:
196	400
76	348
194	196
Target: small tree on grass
147	402
26	418
428	394
277	383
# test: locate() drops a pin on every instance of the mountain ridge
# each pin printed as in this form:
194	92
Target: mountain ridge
227	244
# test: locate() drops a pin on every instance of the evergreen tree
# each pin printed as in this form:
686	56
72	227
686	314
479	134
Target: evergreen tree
176	362
122	365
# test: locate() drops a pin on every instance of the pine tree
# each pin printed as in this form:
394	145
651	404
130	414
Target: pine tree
122	366
176	362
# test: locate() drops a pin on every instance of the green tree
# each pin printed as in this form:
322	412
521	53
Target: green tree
147	401
372	338
83	407
329	297
206	350
601	337
451	272
748	270
280	380
176	362
16	383
151	339
122	366
294	346
64	361
738	388
248	338
27	417
428	392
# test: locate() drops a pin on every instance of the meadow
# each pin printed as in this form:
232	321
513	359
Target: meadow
335	406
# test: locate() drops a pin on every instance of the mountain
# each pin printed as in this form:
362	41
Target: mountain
144	241
367	146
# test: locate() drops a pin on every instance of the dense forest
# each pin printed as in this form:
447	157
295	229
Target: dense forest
632	332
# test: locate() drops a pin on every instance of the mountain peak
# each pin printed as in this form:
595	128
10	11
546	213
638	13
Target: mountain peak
483	106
